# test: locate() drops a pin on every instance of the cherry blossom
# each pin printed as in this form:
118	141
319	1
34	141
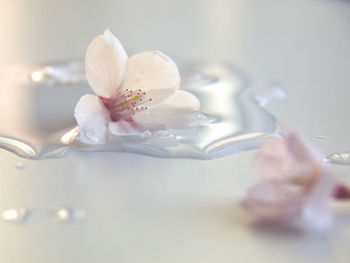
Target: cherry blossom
297	184
133	95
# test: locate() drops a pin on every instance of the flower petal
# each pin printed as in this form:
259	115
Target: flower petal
293	158
302	149
105	63
317	209
124	128
272	160
153	73
92	118
268	201
296	183
178	111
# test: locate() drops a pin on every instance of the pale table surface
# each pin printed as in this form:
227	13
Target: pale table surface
145	209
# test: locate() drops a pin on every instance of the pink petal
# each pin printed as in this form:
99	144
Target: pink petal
293	159
296	183
178	111
105	63
154	73
302	150
268	201
272	160
125	128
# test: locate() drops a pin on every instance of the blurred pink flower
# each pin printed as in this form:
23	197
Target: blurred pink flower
296	185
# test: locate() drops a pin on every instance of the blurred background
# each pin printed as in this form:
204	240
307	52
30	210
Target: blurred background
183	210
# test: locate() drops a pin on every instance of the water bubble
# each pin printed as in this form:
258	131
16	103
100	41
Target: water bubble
62	214
69	214
339	158
161	133
36	76
322	137
15	215
146	134
65	73
20	166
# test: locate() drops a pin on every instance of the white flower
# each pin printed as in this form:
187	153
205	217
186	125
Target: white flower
297	184
132	94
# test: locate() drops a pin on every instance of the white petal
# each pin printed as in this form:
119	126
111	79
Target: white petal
154	73
105	63
92	118
124	128
178	111
182	100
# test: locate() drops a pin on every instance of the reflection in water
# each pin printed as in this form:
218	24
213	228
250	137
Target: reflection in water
37	106
18	147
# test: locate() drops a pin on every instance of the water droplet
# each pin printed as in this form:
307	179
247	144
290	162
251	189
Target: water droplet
231	119
62	214
15	215
65	73
322	137
205	118
20	166
339	158
69	214
161	133
146	134
36	76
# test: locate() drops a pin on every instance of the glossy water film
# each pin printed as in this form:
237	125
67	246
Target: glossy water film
37	106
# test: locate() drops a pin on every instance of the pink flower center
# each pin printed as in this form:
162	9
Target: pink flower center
124	105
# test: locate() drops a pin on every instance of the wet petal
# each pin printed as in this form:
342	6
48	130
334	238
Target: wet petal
125	128
92	118
153	73
272	160
317	208
292	163
105	63
273	202
293	158
302	150
178	111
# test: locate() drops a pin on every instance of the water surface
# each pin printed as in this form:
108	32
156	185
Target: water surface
37	105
